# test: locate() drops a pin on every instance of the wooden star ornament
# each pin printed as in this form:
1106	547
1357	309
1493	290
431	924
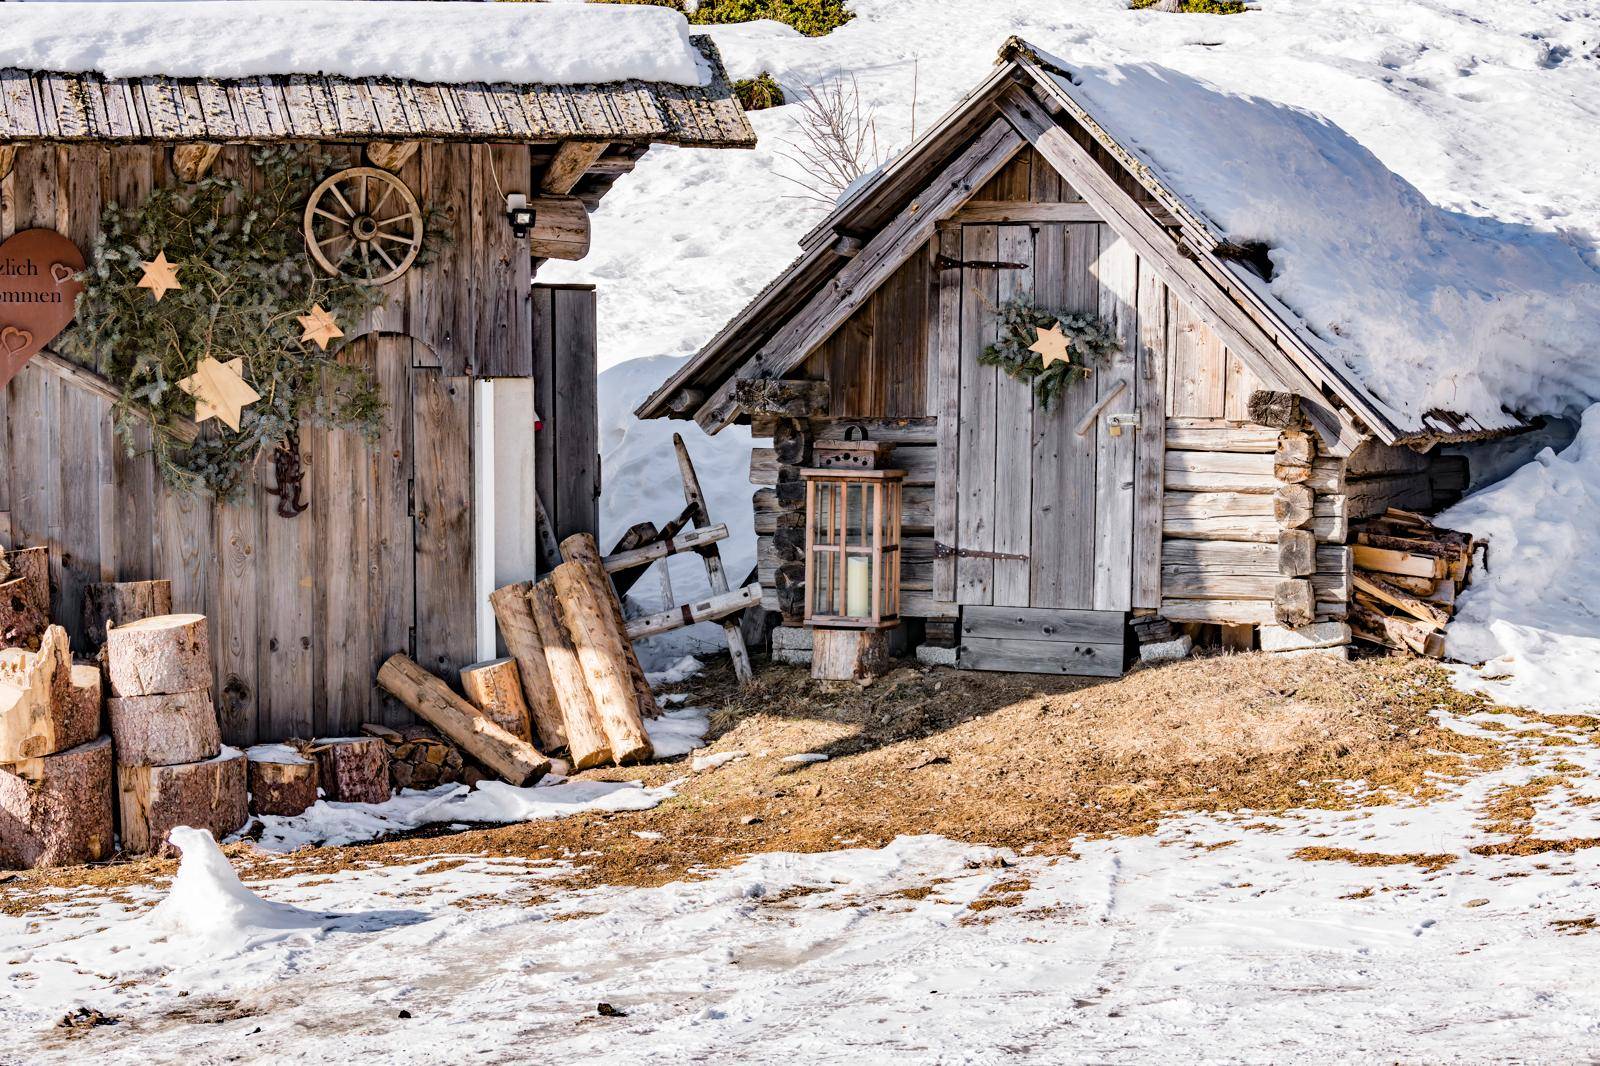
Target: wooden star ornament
1053	346
219	391
320	327
160	276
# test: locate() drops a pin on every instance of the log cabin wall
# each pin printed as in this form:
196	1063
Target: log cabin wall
302	610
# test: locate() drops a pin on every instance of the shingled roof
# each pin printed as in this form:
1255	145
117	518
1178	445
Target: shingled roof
45	106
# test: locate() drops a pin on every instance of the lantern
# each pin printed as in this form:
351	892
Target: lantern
852	535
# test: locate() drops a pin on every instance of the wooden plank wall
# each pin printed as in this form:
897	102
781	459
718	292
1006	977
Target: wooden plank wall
302	610
567	455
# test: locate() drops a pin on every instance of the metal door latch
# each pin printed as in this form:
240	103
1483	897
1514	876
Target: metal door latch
945	551
1116	422
945	262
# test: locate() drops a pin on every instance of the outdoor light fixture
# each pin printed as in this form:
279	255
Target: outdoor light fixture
852	534
520	214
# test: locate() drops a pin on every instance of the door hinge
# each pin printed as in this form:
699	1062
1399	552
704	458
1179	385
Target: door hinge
945	262
945	551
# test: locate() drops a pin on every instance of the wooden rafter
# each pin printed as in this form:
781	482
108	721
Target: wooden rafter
569	164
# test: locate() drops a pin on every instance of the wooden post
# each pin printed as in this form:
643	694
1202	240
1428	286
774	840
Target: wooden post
586	738
712	557
604	653
583	548
516	761
1238	638
494	685
515	615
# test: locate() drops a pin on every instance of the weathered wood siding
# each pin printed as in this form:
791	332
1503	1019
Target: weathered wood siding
302	610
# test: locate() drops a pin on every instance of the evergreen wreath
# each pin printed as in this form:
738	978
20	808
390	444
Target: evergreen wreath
246	276
1090	342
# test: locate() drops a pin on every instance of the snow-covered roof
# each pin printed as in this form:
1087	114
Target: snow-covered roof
1420	322
416	40
381	69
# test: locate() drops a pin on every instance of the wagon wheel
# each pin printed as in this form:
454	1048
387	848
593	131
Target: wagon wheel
364	224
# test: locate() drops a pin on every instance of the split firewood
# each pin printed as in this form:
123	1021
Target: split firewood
1372	625
1428	613
121	602
515	616
41	711
25	598
1413	564
55	810
586	737
605	655
162	730
282	781
514	759
206	795
420	758
351	769
496	688
582	549
155	656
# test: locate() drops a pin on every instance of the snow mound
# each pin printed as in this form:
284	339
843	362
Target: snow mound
549	44
1432	309
678	731
1532	614
208	901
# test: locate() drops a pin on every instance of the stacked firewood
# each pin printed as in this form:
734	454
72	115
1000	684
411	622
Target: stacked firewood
1408	573
420	758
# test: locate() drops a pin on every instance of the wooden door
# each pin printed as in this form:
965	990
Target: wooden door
1052	509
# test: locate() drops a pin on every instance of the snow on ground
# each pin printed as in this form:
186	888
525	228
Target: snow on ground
678	731
245	38
1531	616
1207	941
1490	110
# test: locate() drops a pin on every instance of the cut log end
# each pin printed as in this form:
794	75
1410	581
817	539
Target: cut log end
352	769
56	810
206	795
159	655
282	782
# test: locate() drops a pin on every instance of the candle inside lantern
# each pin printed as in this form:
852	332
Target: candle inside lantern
858	586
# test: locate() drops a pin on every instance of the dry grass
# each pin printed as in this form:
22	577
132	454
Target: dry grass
1433	863
1010	760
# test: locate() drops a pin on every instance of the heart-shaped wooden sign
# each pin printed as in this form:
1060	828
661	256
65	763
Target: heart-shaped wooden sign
38	290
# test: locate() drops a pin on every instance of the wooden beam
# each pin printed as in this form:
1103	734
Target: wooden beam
888	249
707	610
790	399
8	157
391	155
560	228
568	166
191	162
690	541
1000	211
1238	330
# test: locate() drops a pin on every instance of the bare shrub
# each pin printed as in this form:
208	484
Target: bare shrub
837	141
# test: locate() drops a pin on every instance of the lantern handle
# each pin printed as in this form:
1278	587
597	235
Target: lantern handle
855	427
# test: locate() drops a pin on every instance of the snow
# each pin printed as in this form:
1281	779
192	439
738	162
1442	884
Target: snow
335	824
208	902
275	753
1531	616
806	757
702	763
1206	940
678	731
451	43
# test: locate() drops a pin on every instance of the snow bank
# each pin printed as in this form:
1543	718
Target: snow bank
678	731
1532	615
528	43
1431	308
208	901
336	824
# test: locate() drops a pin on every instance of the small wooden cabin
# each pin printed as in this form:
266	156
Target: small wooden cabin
1030	537
403	539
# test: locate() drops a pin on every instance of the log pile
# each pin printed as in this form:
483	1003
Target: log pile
350	769
420	758
55	767
172	769
1408	572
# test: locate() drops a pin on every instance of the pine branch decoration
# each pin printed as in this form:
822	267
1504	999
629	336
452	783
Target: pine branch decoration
247	277
1020	321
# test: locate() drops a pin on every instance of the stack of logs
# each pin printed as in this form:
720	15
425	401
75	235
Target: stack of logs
172	768
572	680
1407	575
55	766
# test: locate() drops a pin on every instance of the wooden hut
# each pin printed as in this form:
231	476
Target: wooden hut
1210	471
488	376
